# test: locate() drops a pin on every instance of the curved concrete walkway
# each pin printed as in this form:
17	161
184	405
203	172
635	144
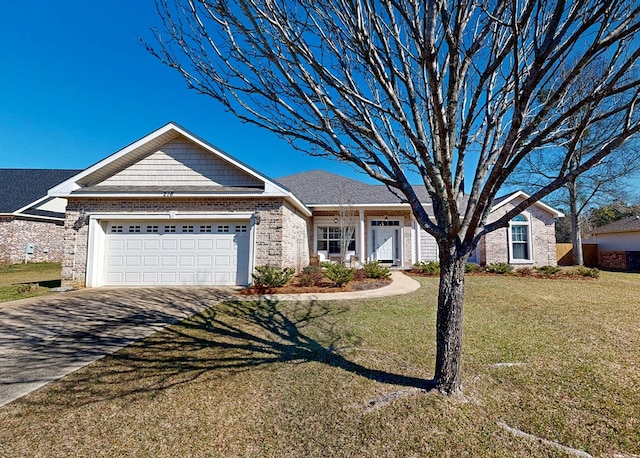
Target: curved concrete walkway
400	284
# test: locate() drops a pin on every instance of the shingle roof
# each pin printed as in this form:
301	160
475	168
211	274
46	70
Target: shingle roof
318	187
629	224
20	187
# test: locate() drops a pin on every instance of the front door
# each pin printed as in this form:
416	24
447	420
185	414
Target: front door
384	244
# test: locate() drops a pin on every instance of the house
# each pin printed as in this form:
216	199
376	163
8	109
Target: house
172	209
31	223
619	244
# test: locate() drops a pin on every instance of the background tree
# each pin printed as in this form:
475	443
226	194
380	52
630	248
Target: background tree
606	181
448	92
608	213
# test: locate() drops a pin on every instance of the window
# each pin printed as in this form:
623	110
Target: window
519	233
152	229
329	238
134	228
223	229
241	228
187	228
169	229
205	229
385	222
116	228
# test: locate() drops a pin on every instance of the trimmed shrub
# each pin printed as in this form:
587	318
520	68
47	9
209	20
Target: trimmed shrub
547	271
587	272
472	267
375	269
311	276
525	271
339	274
272	277
359	275
429	267
499	268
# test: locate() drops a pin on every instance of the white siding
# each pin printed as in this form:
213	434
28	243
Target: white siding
622	241
428	247
181	162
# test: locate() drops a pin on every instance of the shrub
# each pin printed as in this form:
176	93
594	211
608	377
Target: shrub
428	267
311	276
359	275
587	272
272	277
375	269
339	274
499	268
525	271
548	270
472	267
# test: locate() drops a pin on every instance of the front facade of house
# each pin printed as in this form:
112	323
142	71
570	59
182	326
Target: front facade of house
171	209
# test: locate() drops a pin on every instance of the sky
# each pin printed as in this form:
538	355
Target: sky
76	86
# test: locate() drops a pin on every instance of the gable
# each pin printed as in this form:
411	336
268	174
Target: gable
171	161
181	162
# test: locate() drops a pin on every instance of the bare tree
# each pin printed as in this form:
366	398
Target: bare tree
396	87
347	223
604	182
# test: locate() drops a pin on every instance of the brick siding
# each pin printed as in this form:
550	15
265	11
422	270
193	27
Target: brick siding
15	233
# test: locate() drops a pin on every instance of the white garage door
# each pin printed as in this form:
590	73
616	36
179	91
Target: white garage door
177	253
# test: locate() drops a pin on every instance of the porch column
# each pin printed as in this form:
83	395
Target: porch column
418	230
361	238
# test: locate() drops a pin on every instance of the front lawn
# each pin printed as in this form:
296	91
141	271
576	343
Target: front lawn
557	359
18	277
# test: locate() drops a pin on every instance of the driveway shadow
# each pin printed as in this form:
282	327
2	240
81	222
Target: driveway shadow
226	338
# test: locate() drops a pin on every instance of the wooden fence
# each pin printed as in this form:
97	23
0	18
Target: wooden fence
564	254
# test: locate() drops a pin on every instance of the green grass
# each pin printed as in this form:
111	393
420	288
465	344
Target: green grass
294	380
47	274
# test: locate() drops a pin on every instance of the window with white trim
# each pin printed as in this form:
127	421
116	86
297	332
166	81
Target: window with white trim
519	234
329	238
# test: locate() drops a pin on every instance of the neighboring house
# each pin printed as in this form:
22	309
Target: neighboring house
31	223
172	209
619	244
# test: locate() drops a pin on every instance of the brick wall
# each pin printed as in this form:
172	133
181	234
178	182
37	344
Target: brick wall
272	243
614	260
15	233
495	246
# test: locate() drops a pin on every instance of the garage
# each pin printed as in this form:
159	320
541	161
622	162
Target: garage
176	253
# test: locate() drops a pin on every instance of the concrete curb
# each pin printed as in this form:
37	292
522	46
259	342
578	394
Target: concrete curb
400	284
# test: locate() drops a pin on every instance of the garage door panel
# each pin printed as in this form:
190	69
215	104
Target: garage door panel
115	245
169	244
152	244
151	261
187	261
189	253
169	261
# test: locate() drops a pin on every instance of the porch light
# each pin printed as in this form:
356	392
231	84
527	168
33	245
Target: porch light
257	218
386	220
335	220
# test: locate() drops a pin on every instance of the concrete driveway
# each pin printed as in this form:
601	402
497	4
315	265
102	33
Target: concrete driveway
45	338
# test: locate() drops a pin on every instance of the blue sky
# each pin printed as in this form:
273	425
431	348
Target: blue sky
76	86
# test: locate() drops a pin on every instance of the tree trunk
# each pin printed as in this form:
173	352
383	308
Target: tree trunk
576	237
449	321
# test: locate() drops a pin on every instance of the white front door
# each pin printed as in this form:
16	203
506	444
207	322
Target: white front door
384	244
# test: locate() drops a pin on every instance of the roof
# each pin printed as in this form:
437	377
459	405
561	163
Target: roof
21	187
629	224
321	188
503	200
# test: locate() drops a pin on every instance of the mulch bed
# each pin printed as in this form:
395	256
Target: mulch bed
562	275
326	286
